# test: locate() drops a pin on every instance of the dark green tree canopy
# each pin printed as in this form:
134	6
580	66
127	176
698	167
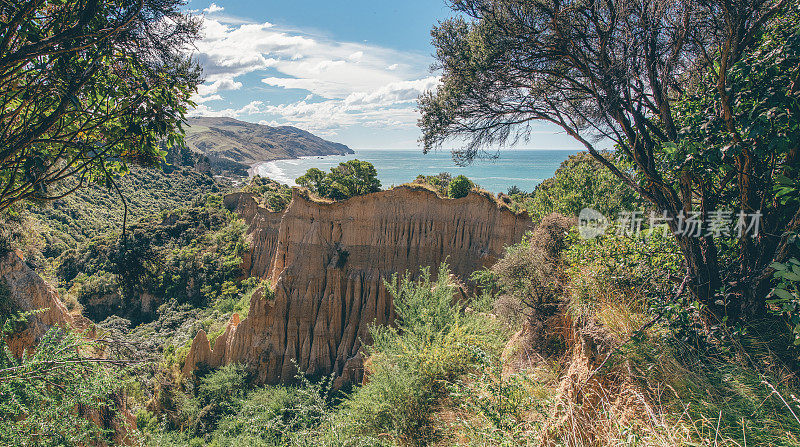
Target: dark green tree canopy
349	179
459	187
88	87
699	97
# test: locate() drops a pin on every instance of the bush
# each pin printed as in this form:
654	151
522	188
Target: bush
580	182
440	181
275	195
409	366
219	393
54	397
530	279
220	414
459	187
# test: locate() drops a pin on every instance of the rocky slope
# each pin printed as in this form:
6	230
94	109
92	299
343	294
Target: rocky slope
230	141
23	290
328	261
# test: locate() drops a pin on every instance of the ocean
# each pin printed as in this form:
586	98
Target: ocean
522	168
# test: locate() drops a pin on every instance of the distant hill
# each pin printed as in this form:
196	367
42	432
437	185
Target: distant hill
230	143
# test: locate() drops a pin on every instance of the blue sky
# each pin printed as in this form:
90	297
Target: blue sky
348	71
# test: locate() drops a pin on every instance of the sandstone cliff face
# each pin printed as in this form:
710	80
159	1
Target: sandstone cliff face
263	232
22	290
328	265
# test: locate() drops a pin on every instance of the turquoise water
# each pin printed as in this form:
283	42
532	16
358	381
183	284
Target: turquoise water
523	168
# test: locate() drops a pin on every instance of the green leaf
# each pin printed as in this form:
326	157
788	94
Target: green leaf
784	294
791	276
778	266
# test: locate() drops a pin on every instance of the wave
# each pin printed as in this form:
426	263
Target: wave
272	170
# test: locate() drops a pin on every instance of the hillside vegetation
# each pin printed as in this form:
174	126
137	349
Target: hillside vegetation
233	145
441	316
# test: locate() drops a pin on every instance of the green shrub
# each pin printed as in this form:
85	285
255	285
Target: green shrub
219	393
580	182
434	342
275	195
440	181
48	396
459	187
222	413
646	270
496	408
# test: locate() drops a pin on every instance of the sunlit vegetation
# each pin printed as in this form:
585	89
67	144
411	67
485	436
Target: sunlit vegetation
351	178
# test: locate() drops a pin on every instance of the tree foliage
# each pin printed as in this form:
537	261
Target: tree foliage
701	98
191	254
580	182
459	187
349	179
88	87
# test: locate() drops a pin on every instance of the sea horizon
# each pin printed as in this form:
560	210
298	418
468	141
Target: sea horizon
523	168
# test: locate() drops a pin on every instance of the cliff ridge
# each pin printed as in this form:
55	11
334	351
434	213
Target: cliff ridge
328	262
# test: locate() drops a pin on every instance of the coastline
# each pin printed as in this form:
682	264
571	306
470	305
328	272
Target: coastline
521	168
253	169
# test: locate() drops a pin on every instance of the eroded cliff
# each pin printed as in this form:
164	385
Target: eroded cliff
328	261
23	290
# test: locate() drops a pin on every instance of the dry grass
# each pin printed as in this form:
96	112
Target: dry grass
614	385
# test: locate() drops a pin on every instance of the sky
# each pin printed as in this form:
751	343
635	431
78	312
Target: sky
349	71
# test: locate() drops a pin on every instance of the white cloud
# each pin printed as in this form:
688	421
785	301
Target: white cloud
230	51
204	110
203	99
358	84
217	86
396	92
252	108
387	106
212	8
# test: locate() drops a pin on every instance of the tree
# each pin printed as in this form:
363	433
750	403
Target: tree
581	182
315	180
353	178
459	187
700	97
88	87
349	179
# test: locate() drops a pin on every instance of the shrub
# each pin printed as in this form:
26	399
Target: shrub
459	187
440	181
219	393
644	272
49	396
530	279
275	195
434	342
580	182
